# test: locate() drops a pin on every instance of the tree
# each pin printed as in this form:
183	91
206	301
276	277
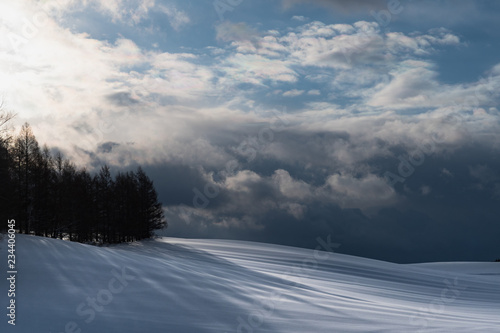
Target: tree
50	196
25	154
126	202
43	192
5	118
55	228
151	216
104	204
6	186
68	204
83	209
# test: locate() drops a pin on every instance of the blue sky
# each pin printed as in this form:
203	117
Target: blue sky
280	120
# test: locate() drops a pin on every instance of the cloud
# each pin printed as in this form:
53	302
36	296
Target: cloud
238	32
122	99
256	69
293	93
314	92
414	84
242	181
345	6
356	56
392	225
364	192
345	46
107	147
336	46
425	190
291	188
177	18
484	174
410	87
219	119
129	12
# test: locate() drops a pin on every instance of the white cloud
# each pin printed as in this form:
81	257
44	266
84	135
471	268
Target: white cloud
256	69
341	47
67	84
177	18
364	192
293	93
125	11
367	192
421	44
411	86
242	181
290	187
414	84
356	58
345	46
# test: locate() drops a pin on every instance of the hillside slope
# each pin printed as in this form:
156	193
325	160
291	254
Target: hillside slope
181	286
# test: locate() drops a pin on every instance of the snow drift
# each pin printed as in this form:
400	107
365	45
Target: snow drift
198	286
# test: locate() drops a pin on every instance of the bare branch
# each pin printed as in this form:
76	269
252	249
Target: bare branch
5	117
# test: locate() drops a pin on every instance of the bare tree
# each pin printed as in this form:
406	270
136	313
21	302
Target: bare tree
5	183
5	117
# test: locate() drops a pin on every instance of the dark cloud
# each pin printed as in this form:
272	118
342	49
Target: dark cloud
107	147
175	182
312	179
454	220
122	99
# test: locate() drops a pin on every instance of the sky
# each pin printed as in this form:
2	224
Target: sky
375	123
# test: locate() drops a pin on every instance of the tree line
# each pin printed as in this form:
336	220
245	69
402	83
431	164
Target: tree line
49	196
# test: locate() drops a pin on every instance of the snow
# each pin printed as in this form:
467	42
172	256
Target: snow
181	285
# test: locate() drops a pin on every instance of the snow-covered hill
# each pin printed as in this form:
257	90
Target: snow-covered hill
197	286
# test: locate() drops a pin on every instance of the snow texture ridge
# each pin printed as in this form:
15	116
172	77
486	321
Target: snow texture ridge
202	286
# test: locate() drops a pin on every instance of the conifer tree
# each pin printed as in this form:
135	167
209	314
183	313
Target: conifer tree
50	196
25	153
